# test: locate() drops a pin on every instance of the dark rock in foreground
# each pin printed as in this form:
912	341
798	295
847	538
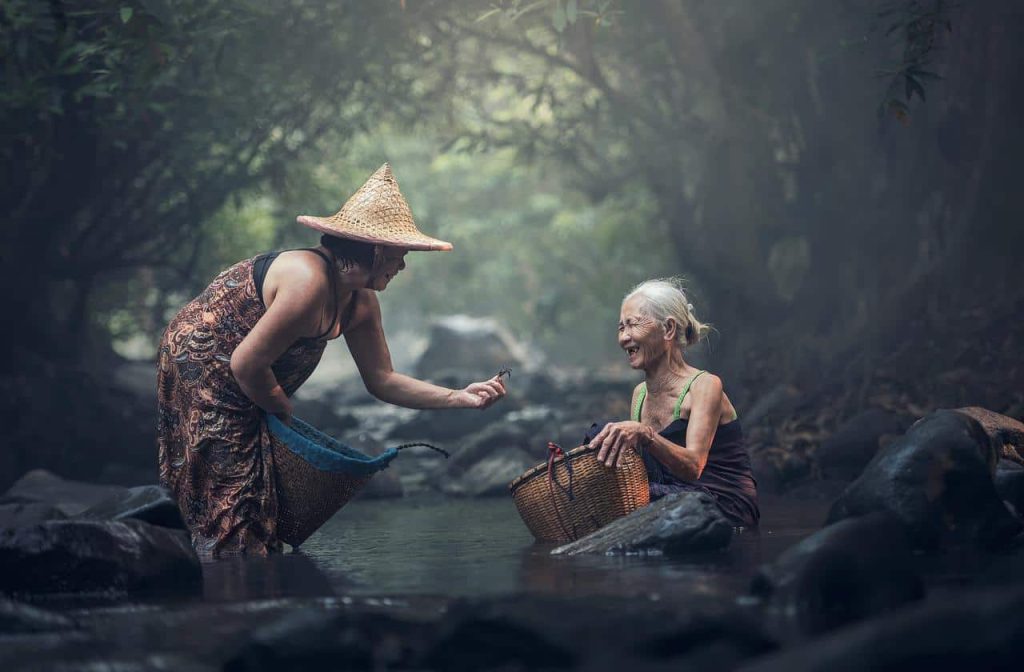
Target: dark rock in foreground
976	630
21	514
848	571
149	503
845	454
84	555
309	639
70	497
679	523
937	479
1009	480
543	632
18	618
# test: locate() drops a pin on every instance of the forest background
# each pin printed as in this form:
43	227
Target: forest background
836	181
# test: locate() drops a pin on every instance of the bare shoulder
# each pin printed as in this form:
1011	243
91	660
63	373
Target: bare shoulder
367	310
299	269
707	385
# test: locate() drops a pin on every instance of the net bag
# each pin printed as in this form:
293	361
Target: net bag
317	475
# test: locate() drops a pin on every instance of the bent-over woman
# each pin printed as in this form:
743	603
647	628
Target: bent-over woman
240	349
682	423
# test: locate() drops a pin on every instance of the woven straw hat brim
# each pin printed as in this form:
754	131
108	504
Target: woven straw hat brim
407	239
377	213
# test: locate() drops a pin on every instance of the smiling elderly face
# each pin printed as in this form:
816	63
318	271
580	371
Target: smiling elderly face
640	335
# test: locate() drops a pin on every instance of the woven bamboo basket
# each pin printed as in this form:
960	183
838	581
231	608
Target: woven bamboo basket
557	508
306	496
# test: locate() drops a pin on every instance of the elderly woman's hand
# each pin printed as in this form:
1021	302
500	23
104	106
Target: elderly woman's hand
617	437
481	395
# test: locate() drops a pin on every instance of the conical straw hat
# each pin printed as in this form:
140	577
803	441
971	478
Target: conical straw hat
378	214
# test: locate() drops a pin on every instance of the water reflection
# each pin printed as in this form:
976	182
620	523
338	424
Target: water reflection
278	576
481	547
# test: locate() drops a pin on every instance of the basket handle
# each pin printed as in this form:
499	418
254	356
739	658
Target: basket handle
554	451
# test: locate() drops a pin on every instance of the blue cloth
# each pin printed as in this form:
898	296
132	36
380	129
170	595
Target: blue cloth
324	452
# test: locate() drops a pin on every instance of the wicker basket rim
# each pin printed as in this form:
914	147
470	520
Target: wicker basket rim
543	466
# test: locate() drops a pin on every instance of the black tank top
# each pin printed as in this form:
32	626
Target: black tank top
727	475
259	275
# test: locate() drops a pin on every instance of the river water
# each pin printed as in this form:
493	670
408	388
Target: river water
476	547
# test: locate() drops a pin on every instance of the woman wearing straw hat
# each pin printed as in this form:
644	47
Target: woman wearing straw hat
241	348
683	423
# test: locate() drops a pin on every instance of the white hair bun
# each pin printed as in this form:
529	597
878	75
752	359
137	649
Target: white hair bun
689	307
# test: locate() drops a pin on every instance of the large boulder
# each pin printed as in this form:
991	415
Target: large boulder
149	503
679	523
1005	433
477	347
491	476
69	497
845	454
848	571
937	479
968	630
90	555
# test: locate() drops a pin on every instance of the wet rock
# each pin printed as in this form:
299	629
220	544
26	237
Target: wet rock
498	438
18	618
1006	433
28	513
970	630
845	454
1009	481
679	523
69	497
491	476
776	469
87	555
936	479
309	639
854	569
149	503
479	347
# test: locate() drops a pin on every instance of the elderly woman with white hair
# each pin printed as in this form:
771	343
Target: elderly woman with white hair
682	423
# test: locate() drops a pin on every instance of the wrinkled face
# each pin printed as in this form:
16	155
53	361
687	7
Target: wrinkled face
640	335
389	261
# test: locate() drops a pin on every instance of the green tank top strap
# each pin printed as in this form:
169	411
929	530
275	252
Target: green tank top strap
686	390
639	402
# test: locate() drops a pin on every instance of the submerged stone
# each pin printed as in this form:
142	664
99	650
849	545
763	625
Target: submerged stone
851	570
937	479
678	523
90	555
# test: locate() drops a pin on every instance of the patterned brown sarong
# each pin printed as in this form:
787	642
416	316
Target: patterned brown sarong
214	444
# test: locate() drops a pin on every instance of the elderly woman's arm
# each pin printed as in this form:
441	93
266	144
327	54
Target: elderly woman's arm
370	351
684	462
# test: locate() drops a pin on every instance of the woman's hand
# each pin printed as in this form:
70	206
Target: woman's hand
480	395
617	437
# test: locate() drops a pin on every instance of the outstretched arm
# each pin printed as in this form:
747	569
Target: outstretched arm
370	351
